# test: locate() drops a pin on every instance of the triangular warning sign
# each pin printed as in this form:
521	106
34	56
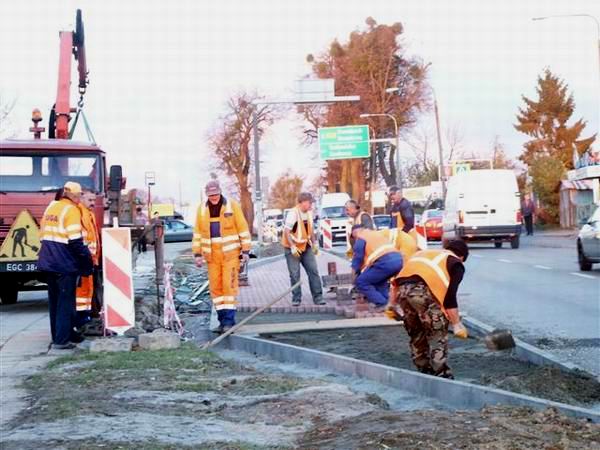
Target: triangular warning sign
22	242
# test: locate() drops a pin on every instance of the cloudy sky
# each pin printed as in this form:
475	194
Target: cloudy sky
161	70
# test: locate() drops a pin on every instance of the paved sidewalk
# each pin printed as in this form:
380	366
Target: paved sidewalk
270	280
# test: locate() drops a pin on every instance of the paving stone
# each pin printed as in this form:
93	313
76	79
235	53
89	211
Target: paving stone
158	340
112	344
349	313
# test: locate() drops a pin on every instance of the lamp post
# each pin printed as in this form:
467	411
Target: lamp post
390	116
597	22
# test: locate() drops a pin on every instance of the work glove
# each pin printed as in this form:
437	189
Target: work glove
349	253
315	250
295	252
392	313
460	331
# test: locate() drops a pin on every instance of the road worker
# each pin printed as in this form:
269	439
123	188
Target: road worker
427	287
300	247
374	262
401	213
221	237
63	258
355	217
91	238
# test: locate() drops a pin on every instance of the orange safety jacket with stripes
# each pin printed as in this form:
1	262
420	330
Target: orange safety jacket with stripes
376	245
63	250
431	267
302	235
90	233
230	232
403	242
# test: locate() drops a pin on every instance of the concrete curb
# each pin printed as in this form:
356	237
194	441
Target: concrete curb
457	394
523	350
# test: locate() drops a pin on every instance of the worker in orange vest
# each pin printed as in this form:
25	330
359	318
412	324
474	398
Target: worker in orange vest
427	287
401	213
221	235
375	260
91	238
355	217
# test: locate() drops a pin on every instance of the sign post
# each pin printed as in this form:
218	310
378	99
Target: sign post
344	142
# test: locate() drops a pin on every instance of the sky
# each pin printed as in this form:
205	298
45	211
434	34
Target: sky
161	72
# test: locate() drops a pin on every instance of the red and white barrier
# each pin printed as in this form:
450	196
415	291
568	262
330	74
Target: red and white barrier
119	307
327	234
171	319
421	238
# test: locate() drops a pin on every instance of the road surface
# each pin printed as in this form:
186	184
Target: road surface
539	293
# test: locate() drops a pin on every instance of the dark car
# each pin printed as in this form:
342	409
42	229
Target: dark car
382	221
178	231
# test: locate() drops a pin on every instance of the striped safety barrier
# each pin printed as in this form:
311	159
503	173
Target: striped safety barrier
119	307
327	234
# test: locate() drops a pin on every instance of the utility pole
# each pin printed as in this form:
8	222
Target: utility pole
257	187
440	148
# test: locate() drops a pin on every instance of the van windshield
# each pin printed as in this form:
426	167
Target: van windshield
42	173
334	212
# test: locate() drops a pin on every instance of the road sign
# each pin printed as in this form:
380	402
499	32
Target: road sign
461	168
22	242
344	142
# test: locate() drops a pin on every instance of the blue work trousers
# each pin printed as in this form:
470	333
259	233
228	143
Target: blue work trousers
61	305
373	282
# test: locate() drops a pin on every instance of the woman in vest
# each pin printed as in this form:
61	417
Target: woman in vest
427	287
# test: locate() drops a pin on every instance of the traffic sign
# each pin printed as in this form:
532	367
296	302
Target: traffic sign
461	168
22	242
344	142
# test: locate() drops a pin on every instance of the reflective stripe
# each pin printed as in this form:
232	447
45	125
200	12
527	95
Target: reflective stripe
435	266
73	236
74	227
231	238
205	241
229	247
54	239
61	218
197	235
246	242
244	234
377	253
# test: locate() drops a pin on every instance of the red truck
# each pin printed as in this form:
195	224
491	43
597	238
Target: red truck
33	170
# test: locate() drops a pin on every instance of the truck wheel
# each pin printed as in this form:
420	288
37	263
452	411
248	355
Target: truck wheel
498	244
515	241
584	264
9	293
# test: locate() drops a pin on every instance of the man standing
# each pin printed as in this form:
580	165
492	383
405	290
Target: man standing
220	235
63	258
427	287
91	238
141	220
300	247
357	216
374	262
401	211
528	210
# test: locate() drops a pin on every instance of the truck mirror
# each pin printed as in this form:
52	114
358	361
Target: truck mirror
115	178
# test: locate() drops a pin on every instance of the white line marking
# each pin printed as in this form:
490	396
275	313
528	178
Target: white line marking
583	275
474	255
542	267
508	261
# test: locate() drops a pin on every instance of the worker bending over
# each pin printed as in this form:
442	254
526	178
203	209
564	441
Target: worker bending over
427	287
91	239
63	258
220	234
374	262
300	247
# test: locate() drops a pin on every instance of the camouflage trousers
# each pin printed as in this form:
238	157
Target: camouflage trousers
427	327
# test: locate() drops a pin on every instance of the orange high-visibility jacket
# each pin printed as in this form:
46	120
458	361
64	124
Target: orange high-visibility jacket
303	234
233	235
403	242
430	265
376	245
90	233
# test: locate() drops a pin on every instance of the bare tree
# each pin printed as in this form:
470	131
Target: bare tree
455	142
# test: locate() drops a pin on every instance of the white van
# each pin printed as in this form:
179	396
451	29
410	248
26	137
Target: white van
483	205
333	207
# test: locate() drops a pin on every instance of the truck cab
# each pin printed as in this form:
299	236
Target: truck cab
31	173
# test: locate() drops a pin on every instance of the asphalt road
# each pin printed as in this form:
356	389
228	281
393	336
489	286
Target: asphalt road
539	293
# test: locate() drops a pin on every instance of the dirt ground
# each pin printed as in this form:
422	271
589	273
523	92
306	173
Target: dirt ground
189	399
469	360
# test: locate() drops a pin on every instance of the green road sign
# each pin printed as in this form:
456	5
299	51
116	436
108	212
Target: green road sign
344	142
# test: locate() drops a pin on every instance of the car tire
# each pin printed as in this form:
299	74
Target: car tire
498	244
515	242
584	264
9	293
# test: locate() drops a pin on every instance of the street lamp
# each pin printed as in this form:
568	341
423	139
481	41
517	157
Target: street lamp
398	171
597	22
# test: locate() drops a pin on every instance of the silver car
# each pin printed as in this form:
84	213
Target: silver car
588	242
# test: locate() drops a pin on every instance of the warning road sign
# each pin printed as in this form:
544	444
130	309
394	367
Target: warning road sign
22	242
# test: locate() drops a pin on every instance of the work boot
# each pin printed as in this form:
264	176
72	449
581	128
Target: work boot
319	301
67	346
219	330
296	302
77	337
226	328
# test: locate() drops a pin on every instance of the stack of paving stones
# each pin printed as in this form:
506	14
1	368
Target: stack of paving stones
349	304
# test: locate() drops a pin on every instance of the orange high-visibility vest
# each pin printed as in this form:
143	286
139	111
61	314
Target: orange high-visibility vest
61	222
403	242
376	246
234	235
303	234
90	233
430	265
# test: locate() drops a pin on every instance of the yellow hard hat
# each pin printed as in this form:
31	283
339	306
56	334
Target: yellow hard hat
72	187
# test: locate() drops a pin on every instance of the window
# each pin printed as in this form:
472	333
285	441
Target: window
177	226
16	166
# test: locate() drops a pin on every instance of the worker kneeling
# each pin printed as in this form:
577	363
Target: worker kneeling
220	234
426	291
375	260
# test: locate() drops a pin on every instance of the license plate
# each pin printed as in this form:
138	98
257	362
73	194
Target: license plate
18	267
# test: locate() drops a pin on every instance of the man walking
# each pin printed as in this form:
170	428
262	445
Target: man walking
220	236
63	258
374	262
300	248
528	210
426	292
141	220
